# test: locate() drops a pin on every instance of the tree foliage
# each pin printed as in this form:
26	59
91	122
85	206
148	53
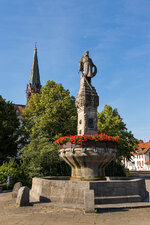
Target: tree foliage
51	113
42	159
18	171
111	123
48	115
9	125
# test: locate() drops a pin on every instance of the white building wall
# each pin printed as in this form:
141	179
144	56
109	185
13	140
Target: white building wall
138	162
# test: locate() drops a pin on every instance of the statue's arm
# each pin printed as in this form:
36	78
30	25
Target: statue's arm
95	68
81	65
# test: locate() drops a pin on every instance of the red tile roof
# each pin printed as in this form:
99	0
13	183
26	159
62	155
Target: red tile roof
141	141
148	161
142	148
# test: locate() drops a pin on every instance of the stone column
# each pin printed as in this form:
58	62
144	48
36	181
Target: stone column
87	102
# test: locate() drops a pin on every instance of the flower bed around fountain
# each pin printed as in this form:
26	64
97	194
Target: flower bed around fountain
82	140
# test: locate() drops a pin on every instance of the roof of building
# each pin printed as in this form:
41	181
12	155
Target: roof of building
142	147
19	109
147	161
34	80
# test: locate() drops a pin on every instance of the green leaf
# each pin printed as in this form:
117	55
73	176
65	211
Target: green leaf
111	123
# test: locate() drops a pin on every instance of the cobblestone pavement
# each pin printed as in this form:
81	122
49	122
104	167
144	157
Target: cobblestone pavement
45	215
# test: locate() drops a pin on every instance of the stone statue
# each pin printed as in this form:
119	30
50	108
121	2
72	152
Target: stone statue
87	99
86	67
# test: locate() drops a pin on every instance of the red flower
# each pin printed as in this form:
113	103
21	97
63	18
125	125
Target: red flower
78	139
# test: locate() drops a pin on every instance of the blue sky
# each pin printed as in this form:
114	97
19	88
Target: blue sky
116	33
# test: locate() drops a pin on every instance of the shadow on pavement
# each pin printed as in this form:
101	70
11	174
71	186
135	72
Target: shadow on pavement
5	191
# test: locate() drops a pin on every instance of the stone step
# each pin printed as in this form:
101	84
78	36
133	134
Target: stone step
117	199
123	206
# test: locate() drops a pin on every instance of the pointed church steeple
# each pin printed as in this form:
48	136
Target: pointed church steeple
34	85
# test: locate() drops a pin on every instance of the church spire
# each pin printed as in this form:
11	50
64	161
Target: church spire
34	85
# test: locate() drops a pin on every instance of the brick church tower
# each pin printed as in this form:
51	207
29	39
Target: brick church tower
34	84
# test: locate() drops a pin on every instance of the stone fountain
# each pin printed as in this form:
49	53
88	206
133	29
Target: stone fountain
87	183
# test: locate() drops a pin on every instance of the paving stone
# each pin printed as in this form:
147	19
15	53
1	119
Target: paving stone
41	214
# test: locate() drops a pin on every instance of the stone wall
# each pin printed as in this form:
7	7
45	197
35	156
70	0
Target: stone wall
64	191
120	188
72	192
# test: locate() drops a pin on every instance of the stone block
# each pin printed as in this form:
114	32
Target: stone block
23	196
16	188
147	183
89	201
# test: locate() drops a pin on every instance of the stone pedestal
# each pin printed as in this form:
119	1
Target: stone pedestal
87	102
88	163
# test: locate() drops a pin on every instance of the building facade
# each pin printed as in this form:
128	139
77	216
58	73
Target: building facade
141	158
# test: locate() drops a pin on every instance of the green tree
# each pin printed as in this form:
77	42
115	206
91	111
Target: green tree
42	159
51	113
9	126
48	115
18	171
111	123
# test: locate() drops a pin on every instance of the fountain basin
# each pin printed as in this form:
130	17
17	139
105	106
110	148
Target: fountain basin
88	163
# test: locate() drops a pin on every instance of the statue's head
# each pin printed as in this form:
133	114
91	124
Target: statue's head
86	53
